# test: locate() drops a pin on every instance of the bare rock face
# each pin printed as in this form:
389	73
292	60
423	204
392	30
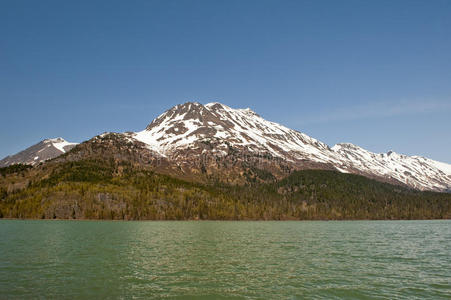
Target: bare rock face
42	151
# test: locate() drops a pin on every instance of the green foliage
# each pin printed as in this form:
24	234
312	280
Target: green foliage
16	168
81	171
254	174
109	189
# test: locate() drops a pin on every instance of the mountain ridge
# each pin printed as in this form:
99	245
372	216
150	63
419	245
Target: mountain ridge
217	140
39	152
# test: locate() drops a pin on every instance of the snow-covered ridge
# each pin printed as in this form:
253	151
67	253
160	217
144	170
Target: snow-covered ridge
40	152
60	144
184	125
415	171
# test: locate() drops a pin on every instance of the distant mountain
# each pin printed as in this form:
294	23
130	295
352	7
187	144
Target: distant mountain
42	151
194	133
214	142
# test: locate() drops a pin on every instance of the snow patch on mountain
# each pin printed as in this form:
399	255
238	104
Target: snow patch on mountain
60	144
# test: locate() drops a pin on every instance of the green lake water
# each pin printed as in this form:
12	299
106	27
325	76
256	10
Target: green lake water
225	260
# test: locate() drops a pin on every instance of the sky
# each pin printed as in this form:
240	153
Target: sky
373	73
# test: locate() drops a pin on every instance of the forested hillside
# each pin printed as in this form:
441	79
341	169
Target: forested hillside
108	189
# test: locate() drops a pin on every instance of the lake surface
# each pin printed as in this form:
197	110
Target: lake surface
225	260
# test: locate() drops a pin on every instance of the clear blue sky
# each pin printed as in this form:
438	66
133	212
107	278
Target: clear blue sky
374	73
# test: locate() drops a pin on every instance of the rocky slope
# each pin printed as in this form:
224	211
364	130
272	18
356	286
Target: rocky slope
42	151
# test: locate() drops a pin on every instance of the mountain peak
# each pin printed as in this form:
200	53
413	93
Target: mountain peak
213	106
187	124
217	105
42	151
55	140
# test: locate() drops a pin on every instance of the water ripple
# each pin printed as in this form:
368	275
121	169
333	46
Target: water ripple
225	260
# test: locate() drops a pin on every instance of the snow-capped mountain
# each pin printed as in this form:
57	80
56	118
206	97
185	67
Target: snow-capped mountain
222	143
42	151
182	132
184	125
